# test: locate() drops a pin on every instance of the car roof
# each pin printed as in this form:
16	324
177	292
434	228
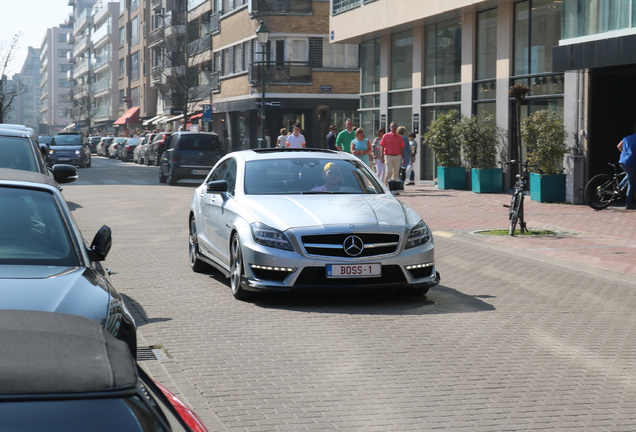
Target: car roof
53	353
193	133
293	153
15	175
15	132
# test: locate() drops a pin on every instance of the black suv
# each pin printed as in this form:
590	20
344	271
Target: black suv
189	155
20	150
71	148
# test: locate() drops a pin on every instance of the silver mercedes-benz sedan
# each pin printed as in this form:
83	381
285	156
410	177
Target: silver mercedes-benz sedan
307	219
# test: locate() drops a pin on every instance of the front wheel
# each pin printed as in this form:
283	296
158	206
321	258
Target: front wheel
599	192
236	270
196	264
162	178
515	206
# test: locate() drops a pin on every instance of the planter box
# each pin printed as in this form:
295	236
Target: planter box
547	188
451	177
487	180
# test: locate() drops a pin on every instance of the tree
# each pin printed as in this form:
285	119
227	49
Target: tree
179	69
544	134
80	106
442	138
9	91
478	137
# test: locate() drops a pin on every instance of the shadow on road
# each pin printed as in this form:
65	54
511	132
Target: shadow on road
439	300
139	314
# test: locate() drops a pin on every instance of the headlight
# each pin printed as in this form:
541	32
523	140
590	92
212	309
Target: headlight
77	152
268	236
418	235
51	151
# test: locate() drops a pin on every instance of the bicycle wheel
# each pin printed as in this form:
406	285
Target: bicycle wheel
514	212
599	191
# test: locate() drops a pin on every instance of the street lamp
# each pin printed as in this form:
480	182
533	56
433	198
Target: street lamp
262	34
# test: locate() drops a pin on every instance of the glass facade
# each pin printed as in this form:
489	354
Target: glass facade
486	55
537	30
370	85
590	17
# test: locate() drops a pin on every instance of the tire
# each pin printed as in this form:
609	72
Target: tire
196	264
162	178
236	269
514	213
172	179
599	191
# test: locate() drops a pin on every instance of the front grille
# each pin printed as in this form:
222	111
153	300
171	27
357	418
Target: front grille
316	277
331	245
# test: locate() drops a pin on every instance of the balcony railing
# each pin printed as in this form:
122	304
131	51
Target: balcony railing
281	6
200	45
156	36
214	80
215	22
281	73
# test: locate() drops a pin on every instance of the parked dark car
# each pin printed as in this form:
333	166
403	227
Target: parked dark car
189	155
156	148
92	143
45	264
19	150
62	372
127	148
70	148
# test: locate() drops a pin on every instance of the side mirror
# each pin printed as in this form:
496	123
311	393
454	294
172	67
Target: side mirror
63	173
216	186
101	244
44	149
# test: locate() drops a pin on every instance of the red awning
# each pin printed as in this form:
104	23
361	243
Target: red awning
196	116
130	116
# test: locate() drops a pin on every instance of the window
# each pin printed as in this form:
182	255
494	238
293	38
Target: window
134	66
122	35
134	31
339	55
122	67
402	60
537	30
63	52
299	50
344	5
486	57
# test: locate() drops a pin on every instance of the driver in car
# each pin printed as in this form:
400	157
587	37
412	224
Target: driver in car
332	176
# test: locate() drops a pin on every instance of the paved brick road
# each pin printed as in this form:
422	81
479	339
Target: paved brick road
513	338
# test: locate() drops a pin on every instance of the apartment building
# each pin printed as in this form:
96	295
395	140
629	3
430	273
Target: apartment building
137	96
26	106
55	105
302	71
422	58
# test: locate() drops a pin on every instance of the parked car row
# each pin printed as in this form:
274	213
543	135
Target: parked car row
57	294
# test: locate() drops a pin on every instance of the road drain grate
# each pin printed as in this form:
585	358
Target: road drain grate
149	353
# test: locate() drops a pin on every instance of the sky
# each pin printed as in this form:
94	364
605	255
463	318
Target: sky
31	18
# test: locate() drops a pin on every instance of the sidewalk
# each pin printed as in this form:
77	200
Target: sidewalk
603	239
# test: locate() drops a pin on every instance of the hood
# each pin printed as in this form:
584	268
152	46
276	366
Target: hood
72	290
65	147
297	211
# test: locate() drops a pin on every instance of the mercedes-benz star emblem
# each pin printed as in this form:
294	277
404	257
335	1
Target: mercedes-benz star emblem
353	245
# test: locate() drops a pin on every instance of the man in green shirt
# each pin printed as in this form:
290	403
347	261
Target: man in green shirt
343	142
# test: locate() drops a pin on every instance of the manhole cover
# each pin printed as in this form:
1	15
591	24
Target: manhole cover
149	353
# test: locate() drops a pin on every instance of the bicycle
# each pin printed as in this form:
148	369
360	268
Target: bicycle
515	209
604	189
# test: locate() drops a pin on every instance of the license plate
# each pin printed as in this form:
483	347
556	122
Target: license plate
64	159
353	270
199	172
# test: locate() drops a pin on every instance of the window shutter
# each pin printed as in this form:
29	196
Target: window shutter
315	52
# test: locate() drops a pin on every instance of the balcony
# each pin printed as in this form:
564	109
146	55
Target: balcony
279	73
215	22
281	6
155	4
156	36
200	45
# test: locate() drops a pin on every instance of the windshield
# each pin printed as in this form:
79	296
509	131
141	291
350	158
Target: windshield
33	232
17	153
64	140
309	176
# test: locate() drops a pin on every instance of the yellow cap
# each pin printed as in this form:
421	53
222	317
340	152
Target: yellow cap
327	166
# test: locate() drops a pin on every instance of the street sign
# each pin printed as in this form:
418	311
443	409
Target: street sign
207	111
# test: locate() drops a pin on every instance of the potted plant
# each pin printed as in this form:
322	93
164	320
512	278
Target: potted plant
443	141
478	138
544	134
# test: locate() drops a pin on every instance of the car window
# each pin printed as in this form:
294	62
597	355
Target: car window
63	140
17	153
230	176
200	143
33	232
307	175
219	172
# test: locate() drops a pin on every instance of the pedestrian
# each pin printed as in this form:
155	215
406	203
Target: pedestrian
361	147
378	155
410	174
268	139
392	145
281	142
627	161
296	139
331	138
343	142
